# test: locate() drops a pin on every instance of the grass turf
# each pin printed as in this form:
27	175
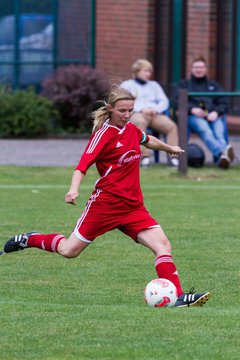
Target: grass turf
92	307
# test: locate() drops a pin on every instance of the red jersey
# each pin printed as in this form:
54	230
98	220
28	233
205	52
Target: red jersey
116	153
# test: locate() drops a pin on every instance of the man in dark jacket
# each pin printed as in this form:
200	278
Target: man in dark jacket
205	112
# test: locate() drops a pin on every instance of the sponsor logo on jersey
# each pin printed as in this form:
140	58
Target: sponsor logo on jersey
128	156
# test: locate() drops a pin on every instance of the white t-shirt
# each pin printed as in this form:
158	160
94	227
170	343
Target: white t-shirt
148	95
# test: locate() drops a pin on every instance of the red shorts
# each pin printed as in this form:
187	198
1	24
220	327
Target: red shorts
105	212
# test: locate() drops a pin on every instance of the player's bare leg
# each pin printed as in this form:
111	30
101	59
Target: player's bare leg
68	248
156	240
71	247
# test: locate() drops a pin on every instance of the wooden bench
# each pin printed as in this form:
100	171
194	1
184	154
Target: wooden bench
233	123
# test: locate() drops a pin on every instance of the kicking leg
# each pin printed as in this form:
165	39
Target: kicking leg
68	248
71	247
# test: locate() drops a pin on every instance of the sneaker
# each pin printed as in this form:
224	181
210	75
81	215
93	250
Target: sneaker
145	162
18	242
191	299
230	152
224	162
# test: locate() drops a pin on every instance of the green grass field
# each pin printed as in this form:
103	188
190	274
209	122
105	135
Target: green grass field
92	307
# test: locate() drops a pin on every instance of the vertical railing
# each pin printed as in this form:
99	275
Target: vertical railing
183	129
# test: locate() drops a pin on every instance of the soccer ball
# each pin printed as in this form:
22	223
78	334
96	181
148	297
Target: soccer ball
160	293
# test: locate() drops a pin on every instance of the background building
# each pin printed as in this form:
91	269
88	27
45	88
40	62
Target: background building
170	33
36	37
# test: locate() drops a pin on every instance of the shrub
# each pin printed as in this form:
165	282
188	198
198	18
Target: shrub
23	113
74	89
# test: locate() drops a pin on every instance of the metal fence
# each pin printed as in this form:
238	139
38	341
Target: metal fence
36	37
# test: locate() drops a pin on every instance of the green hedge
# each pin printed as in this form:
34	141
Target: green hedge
23	113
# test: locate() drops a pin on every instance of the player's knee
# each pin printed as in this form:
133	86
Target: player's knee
168	246
66	251
69	254
164	245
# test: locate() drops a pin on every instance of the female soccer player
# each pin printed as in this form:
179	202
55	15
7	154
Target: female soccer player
117	200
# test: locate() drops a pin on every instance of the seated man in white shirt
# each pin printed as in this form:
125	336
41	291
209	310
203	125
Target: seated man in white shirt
150	105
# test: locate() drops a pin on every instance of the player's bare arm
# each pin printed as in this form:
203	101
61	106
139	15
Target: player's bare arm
72	194
156	144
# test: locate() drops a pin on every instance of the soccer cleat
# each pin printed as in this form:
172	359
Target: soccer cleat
18	242
2	252
191	299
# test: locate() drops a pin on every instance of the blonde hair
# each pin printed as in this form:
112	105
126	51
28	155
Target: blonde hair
139	65
101	115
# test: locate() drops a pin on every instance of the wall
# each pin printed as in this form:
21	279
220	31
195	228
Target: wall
127	30
74	29
124	33
198	30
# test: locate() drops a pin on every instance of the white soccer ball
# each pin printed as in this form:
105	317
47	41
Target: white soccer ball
160	293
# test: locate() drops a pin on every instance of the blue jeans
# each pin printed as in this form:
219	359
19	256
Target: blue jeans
211	133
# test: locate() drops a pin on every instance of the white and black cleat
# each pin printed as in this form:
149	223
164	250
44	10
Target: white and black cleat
18	242
191	299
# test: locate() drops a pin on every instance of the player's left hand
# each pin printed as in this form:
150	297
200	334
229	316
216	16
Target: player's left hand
175	151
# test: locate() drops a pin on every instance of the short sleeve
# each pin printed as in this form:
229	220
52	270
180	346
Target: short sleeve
93	150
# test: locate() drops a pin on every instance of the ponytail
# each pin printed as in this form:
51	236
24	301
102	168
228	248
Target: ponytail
103	113
100	115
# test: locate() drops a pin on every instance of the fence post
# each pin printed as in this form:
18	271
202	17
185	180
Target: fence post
183	129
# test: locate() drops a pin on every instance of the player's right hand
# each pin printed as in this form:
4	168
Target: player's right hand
70	198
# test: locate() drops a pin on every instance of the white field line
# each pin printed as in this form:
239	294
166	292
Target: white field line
144	187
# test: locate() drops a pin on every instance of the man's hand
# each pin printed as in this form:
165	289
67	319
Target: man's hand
70	198
212	116
198	112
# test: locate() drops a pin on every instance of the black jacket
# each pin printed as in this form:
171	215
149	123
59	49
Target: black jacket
209	103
